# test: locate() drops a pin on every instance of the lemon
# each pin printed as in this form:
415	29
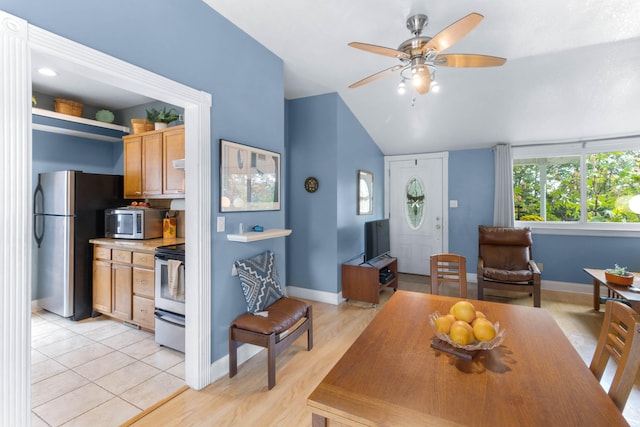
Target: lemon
443	324
483	330
464	310
461	333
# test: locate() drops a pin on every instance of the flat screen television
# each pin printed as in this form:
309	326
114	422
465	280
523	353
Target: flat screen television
376	239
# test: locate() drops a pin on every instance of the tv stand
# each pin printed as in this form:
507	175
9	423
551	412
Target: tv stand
362	282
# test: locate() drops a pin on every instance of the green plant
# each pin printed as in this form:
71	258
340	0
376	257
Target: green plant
34	101
531	218
162	116
618	271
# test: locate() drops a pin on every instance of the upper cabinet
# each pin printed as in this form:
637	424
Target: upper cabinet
148	164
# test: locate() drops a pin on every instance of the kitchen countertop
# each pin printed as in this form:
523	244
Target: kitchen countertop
137	245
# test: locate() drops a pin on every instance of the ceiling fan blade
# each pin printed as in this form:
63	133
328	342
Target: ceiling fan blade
380	50
453	33
376	76
469	60
423	85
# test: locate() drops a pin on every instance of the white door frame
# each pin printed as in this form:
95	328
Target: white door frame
444	156
17	40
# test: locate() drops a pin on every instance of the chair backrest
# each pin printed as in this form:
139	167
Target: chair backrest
449	268
505	248
620	340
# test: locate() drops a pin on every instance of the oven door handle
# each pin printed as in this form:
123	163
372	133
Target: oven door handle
159	315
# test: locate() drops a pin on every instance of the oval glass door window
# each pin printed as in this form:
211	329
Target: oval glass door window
415	203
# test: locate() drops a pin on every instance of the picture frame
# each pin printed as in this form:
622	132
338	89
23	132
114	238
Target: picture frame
249	178
365	192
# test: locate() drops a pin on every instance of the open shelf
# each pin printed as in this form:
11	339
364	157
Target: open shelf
253	236
74	119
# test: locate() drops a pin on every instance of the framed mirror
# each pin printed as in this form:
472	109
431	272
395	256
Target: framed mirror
249	178
365	193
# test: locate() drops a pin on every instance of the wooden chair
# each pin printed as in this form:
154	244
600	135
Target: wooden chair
620	339
282	325
449	268
505	261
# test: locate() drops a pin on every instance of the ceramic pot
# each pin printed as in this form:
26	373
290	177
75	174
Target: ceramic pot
159	125
619	280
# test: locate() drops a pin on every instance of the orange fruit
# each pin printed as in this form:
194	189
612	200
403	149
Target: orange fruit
461	333
443	324
464	310
483	330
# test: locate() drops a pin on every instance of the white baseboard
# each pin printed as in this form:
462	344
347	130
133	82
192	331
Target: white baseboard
313	295
549	285
220	367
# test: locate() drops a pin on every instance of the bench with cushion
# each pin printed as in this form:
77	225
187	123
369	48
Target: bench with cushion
269	332
272	321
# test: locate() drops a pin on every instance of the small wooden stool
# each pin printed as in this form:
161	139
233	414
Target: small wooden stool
265	332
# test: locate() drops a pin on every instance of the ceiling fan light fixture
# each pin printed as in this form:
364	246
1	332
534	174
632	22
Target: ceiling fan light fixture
402	88
435	86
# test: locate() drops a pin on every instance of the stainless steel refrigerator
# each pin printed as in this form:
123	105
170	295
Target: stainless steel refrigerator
68	211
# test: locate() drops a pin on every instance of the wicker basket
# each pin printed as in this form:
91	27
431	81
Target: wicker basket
65	106
140	126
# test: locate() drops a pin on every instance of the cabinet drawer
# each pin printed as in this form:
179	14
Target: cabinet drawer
143	312
144	260
100	252
121	256
143	282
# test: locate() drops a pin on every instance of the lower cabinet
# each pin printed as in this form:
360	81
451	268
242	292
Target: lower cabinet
123	285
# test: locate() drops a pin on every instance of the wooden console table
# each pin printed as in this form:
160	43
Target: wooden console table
614	291
361	282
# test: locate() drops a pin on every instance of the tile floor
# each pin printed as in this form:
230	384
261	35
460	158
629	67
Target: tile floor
96	372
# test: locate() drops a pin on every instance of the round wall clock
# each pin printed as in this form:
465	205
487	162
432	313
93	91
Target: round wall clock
311	184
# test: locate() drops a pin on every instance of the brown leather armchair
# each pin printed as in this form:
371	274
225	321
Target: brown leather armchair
505	261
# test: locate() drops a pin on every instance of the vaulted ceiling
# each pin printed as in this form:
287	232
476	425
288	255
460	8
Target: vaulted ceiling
572	71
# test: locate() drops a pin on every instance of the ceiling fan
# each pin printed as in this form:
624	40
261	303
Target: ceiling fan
420	55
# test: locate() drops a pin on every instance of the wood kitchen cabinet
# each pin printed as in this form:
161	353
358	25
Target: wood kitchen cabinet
148	164
173	149
123	285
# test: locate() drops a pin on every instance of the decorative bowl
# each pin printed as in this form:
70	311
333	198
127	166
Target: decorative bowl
476	345
619	280
105	116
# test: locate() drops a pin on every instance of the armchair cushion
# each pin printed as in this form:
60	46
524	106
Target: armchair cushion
507	275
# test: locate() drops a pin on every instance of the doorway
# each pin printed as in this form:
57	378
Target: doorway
415	200
18	39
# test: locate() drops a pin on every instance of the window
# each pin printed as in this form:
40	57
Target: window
589	185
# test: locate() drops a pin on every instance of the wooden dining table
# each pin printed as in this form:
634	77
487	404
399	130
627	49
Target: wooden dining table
391	376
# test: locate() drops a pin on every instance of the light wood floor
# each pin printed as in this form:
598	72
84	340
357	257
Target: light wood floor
244	400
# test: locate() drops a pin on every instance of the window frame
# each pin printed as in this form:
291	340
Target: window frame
581	149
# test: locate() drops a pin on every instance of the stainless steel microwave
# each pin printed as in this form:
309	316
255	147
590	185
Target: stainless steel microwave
133	223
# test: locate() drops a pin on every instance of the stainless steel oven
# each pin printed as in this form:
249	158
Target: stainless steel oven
170	296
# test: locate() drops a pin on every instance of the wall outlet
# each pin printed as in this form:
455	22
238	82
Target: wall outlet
453	203
220	225
540	266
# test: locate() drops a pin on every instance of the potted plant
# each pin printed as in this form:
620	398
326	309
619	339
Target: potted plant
619	276
161	118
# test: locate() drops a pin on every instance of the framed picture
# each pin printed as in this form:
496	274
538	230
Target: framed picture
249	178
365	193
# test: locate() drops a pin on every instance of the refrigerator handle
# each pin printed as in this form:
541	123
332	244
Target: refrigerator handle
37	218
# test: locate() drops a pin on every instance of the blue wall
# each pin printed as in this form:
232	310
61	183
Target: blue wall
201	49
471	182
326	141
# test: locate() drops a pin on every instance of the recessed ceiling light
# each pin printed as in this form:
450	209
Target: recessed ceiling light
47	72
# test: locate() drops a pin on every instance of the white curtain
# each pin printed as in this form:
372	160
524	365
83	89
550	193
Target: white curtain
503	201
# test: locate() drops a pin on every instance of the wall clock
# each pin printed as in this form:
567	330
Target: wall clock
311	184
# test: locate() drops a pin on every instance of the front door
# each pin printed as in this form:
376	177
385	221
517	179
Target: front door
416	193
